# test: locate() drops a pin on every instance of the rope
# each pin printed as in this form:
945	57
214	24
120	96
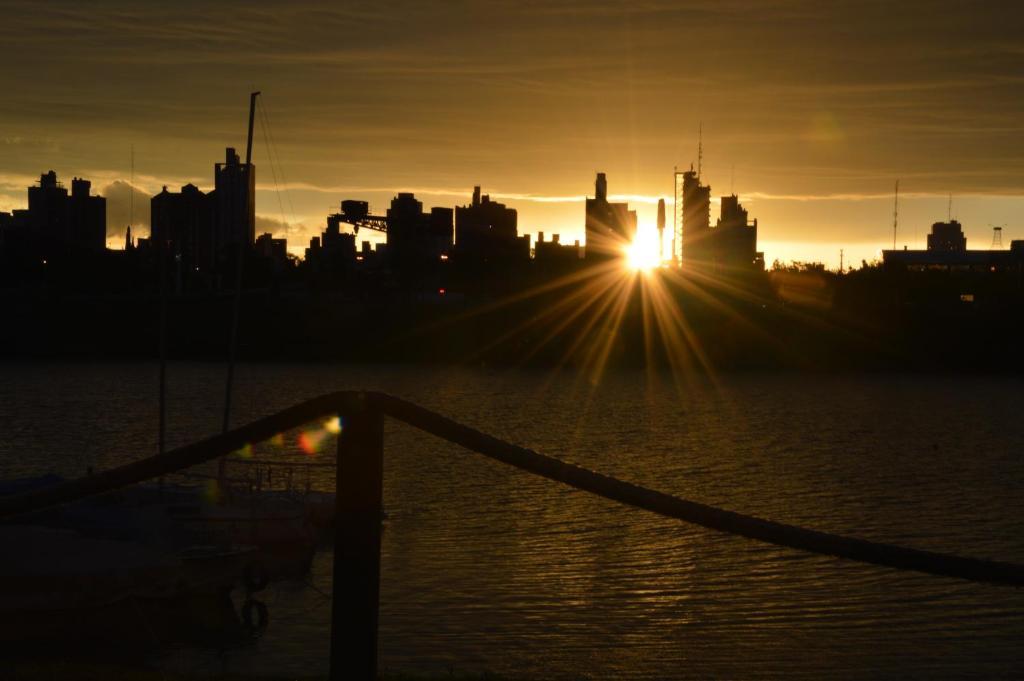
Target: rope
272	148
270	157
356	404
751	527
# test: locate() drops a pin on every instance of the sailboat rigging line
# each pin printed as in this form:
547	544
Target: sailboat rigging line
273	172
276	155
233	337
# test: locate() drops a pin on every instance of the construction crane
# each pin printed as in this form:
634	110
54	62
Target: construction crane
677	216
357	214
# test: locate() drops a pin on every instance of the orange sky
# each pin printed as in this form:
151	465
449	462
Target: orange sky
810	110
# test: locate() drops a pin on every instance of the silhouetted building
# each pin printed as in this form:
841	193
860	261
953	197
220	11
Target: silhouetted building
415	236
274	249
487	231
201	229
730	244
405	224
610	227
57	222
697	240
947	236
183	223
554	252
235	200
947	251
47	209
735	237
87	218
333	250
6	227
15	238
442	230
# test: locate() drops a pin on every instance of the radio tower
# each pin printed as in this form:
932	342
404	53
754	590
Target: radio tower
700	148
131	189
895	213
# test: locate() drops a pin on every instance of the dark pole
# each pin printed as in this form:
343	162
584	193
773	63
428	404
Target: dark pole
252	117
242	235
358	508
161	254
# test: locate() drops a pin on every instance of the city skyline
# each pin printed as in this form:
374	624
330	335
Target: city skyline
810	114
511	339
918	211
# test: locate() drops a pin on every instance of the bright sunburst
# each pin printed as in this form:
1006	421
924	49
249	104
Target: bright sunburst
642	254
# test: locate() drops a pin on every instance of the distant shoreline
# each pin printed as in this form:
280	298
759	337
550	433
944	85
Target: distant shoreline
870	320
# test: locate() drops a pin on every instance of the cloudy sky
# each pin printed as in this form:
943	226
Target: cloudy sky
811	110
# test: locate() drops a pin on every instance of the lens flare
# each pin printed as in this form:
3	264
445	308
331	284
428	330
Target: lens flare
333	426
277	440
310	441
642	254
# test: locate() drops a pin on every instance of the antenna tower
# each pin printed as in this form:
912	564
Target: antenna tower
895	213
131	189
700	148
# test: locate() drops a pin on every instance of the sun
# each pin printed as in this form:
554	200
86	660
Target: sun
642	255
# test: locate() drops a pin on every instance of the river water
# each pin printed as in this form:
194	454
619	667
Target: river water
486	569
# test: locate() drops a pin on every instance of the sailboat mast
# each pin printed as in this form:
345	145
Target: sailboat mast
240	253
252	116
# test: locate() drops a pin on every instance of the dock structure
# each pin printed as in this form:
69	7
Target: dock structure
358	507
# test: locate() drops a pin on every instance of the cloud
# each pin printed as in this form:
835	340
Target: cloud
278	227
16	183
120	213
651	199
816	102
9	202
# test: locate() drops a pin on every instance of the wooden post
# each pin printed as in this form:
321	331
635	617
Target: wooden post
358	508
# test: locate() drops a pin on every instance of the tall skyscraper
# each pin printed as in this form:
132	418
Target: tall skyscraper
235	192
697	241
183	223
610	227
58	221
488	230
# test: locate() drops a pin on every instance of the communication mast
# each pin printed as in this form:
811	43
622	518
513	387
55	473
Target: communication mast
700	148
895	213
131	190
